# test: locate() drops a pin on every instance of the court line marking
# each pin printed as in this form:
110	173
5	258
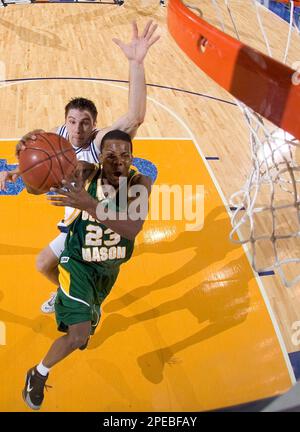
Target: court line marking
223	198
2	333
162	138
9	139
5	83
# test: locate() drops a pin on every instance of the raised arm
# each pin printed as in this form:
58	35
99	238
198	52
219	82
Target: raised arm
135	52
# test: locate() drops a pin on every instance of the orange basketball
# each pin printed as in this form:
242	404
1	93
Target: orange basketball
46	161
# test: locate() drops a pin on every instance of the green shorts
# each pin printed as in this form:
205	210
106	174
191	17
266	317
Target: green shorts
81	293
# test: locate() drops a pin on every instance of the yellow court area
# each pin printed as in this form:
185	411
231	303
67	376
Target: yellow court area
185	319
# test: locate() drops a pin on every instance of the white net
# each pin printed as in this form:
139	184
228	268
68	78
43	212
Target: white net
265	211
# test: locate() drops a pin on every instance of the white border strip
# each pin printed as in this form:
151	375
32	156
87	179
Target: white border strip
9	139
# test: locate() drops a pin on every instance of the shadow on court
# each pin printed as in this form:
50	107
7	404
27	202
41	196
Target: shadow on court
221	301
43	38
6	249
209	248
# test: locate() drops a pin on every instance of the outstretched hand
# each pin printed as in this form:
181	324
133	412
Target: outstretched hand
30	136
137	49
71	195
7	176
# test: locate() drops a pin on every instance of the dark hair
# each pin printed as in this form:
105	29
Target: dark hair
82	104
116	134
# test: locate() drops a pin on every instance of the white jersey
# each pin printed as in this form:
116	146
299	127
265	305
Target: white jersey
87	154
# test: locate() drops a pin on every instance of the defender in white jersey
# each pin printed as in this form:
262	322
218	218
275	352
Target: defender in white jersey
88	153
80	130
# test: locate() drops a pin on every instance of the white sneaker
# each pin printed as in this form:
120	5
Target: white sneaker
48	306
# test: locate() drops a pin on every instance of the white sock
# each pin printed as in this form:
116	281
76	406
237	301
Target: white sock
43	370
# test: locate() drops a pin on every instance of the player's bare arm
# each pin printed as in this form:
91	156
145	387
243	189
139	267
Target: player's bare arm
135	52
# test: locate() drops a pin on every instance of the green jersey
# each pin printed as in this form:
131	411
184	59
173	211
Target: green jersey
91	242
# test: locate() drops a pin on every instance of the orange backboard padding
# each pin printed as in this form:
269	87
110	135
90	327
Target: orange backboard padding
262	83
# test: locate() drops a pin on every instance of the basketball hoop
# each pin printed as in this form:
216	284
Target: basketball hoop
263	88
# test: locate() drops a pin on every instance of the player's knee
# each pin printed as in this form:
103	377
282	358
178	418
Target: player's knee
77	340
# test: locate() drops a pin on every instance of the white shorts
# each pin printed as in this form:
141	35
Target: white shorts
58	244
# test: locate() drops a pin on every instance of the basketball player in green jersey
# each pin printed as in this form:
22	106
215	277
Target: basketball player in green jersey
80	126
100	239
